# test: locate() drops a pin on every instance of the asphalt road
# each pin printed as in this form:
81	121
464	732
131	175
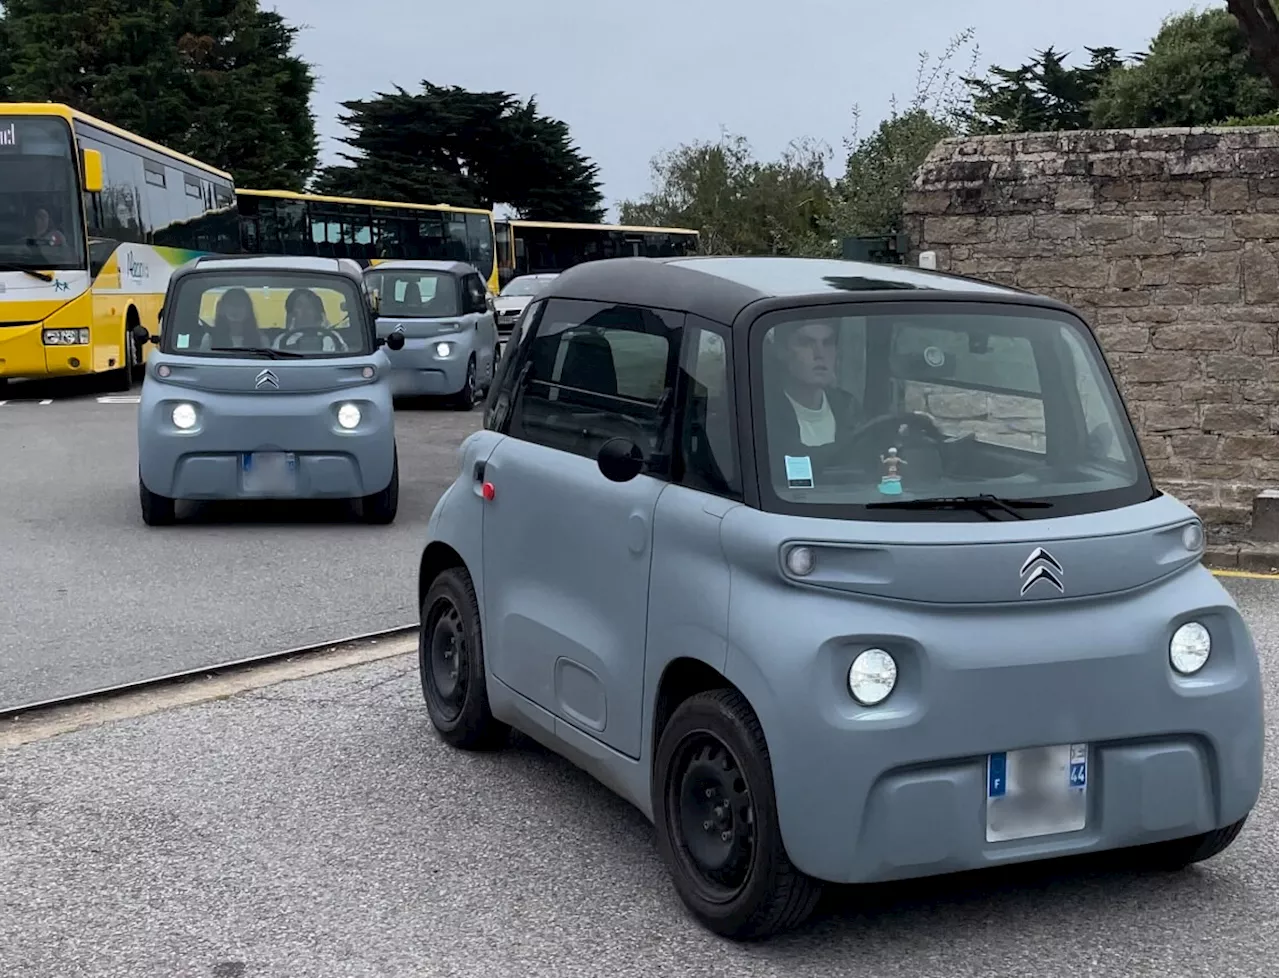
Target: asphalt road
90	596
319	828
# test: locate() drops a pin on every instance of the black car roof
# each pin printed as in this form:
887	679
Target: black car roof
448	266
719	288
345	267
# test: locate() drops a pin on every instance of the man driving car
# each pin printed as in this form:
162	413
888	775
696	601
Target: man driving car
807	409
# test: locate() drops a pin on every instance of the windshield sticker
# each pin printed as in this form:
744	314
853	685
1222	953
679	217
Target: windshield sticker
183	341
799	472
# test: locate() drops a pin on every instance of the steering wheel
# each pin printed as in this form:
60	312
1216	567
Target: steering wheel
896	427
295	333
910	430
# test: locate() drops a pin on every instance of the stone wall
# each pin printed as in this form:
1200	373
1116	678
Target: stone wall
1166	239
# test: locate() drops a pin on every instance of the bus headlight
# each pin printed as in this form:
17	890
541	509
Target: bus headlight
184	417
65	337
348	416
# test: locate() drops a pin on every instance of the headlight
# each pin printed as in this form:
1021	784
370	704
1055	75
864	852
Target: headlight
872	676
443	349
1193	537
184	416
348	415
1189	648
65	337
800	561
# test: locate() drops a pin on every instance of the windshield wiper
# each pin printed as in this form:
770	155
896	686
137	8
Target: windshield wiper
264	351
9	267
982	503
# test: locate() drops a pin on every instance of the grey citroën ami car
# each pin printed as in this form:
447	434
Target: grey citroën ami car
268	383
837	571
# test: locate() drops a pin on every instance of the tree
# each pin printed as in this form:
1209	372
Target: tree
1042	95
879	168
739	205
1197	72
477	149
1258	22
211	78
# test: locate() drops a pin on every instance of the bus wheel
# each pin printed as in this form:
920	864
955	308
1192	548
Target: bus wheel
131	354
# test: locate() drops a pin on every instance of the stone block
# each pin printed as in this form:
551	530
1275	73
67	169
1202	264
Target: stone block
1264	522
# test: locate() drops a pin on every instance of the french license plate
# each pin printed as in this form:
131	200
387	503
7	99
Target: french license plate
1038	791
269	471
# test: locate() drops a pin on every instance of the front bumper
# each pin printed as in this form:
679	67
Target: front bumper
207	462
418	370
900	790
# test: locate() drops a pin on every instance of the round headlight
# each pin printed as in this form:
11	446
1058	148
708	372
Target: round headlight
184	416
872	676
366	373
442	349
1193	537
800	561
1189	648
162	370
348	415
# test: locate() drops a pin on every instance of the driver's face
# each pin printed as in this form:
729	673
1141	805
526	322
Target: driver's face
811	355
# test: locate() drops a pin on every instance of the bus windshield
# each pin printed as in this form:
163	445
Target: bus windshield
40	219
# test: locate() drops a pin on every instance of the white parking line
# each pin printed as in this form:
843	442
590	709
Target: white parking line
45	402
120	399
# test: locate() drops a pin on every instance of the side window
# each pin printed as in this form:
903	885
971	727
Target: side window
475	293
987	386
497	408
592	372
707	446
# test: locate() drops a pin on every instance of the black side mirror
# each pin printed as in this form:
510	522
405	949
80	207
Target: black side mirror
395	341
620	460
143	335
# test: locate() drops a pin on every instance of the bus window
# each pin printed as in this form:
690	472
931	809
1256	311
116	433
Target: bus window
456	242
479	244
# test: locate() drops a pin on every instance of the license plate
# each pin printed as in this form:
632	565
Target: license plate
1038	791
269	471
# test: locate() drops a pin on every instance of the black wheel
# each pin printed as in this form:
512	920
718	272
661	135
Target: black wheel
451	665
156	510
380	507
717	821
1178	854
465	399
132	357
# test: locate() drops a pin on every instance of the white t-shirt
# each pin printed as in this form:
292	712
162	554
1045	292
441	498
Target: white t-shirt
817	426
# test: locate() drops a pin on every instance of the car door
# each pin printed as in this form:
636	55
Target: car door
567	552
473	298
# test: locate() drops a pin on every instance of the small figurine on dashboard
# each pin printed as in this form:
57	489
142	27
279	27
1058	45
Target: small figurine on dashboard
891	481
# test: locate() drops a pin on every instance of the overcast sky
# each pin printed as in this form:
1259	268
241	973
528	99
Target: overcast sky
635	79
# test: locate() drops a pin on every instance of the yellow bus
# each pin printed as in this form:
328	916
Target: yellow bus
529	247
92	221
281	222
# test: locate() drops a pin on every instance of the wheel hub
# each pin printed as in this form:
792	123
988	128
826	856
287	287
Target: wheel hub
448	653
715	816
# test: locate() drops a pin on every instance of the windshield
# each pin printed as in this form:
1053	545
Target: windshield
525	285
40	217
266	314
928	400
416	295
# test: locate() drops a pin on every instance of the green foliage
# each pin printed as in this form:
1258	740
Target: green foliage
1042	95
449	145
740	205
1198	70
211	78
1266	119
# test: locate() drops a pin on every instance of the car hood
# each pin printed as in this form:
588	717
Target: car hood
511	303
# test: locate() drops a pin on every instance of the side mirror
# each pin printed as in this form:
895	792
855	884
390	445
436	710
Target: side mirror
92	170
395	341
620	460
143	335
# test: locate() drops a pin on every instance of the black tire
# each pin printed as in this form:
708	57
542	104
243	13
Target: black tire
380	508
465	399
157	510
451	665
132	356
1177	854
734	876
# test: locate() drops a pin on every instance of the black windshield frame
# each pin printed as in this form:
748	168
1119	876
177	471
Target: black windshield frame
749	343
65	199
180	306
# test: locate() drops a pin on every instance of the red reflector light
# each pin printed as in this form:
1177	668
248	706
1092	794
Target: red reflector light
487	490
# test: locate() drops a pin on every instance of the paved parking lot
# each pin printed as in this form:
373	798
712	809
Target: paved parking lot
319	828
94	597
